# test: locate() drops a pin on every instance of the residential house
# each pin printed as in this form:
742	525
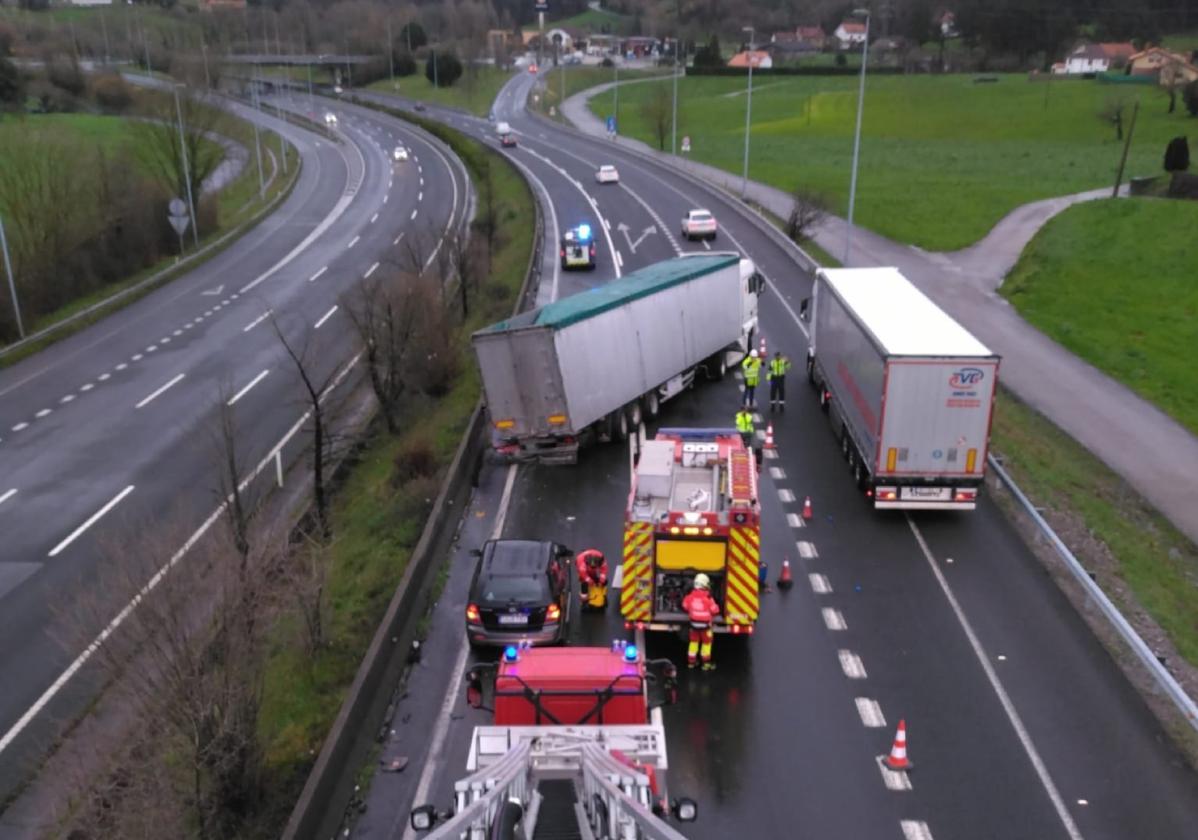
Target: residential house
786	36
813	36
503	41
1170	68
641	45
850	33
1097	58
95	3
791	51
759	59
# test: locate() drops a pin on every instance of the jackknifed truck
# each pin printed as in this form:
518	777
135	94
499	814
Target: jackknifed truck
592	365
909	391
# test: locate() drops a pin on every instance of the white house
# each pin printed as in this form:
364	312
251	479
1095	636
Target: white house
1097	58
850	33
91	2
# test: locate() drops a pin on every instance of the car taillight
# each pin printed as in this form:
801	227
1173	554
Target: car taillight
965	495
553	613
472	614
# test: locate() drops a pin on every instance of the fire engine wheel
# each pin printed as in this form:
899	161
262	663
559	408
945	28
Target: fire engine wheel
652	404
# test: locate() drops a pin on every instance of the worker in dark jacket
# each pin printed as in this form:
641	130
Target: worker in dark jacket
776	374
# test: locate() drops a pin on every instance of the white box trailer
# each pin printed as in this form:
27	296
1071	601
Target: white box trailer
593	364
909	391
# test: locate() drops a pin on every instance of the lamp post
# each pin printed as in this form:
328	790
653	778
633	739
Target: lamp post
186	170
848	232
12	283
674	121
744	181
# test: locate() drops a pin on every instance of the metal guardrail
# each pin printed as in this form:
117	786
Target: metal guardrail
1185	704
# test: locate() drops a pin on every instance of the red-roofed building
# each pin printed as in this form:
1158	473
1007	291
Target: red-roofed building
813	35
760	60
1098	58
850	33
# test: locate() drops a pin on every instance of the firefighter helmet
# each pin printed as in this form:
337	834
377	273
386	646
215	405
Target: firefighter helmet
702	581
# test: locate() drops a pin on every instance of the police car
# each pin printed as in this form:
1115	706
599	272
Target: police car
578	248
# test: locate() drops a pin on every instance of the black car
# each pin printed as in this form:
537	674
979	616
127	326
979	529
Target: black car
520	592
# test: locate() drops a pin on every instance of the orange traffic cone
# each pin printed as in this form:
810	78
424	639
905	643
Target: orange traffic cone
769	436
761	352
784	579
807	514
897	760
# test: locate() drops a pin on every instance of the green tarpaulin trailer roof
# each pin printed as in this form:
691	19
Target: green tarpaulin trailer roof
638	284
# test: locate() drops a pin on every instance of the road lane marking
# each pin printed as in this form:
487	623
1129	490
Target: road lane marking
756	417
66	399
420	196
777	473
894	779
851	664
87	386
396	240
4	497
43	413
759	434
414	212
246	389
121	366
706	244
177	333
807	550
422	182
20	426
258	320
871	713
151	348
164	340
317	274
160	391
352	242
915	830
794	520
819	584
325	317
786	495
385	197
374	218
103	377
370	271
833	619
95	517
1012	715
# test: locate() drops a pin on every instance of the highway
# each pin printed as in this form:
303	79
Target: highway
110	435
1019	723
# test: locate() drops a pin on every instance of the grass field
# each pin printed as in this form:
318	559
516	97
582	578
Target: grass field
578	79
600	21
471	94
93	130
942	158
1114	281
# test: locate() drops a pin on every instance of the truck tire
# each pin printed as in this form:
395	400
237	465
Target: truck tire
846	444
652	404
811	370
619	425
824	400
858	473
634	414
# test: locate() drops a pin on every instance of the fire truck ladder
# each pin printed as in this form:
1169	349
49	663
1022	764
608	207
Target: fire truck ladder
612	799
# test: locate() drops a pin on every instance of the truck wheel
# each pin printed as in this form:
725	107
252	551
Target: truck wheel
634	414
845	445
652	404
858	473
824	399
619	425
811	370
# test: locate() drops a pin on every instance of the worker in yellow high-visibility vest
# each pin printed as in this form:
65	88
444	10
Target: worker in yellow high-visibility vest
776	374
751	367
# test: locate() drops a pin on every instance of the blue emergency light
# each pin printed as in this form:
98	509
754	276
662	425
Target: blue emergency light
509	654
584	232
630	653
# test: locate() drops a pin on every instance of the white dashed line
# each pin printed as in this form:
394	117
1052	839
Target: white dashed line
420	196
103	377
44	412
786	495
395	241
252	383
352	242
851	664
257	320
177	333
759	434
422	182
374	218
152	348
777	473
67	399
164	340
414	212
385	197
807	550
819	584
92	521
122	366
915	830
894	779
325	317
370	271
160	391
4	497
87	386
871	713
756	417
794	520
317	274
771	454
20	426
833	619
136	357
706	244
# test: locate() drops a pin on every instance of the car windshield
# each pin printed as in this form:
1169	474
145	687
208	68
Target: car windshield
700	217
607	169
503	589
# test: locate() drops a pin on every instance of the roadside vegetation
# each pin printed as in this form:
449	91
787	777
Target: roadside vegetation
578	79
942	158
474	91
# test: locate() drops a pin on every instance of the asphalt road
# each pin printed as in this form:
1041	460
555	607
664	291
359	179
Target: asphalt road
110	435
1019	723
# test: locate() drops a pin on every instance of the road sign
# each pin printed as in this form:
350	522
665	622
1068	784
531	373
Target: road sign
686	143
542	5
178	217
177	207
179	223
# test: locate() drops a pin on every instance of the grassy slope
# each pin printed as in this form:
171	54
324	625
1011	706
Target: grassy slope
601	21
475	97
580	78
1113	281
942	158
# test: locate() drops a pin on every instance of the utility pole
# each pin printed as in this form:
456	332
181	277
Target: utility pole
104	29
390	51
674	121
258	142
848	231
1126	146
436	83
615	89
145	44
195	223
744	181
204	52
12	284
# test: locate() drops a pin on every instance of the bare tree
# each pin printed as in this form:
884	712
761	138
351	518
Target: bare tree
657	111
486	215
311	560
1113	111
238	510
807	210
160	151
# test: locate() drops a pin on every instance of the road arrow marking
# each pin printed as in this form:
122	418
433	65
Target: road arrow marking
214	292
623	228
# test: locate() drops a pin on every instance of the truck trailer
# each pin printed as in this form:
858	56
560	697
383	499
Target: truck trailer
592	365
909	391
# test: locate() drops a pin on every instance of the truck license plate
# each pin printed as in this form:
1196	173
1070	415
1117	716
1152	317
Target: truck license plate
937	493
513	619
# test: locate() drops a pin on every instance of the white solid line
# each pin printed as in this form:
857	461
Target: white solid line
786	495
819	584
794	520
414	212
95	517
43	413
807	550
1016	722
374	218
871	713
353	242
6	496
851	664
619	259
317	274
370	271
915	830
833	619
326	317
441	729
777	473
20	426
258	320
253	382
894	779
159	392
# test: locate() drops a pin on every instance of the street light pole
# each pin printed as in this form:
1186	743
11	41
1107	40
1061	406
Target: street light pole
616	93
391	51
12	284
258	140
848	231
674	120
186	171
744	181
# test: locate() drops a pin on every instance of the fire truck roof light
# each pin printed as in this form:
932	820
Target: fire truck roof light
510	654
630	653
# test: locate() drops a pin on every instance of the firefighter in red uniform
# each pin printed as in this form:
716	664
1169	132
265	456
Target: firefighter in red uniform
701	609
592	578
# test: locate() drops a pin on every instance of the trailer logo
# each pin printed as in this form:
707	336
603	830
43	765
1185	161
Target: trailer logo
966	377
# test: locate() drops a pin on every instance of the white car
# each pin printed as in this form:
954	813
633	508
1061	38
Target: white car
607	174
699	224
330	119
400	153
